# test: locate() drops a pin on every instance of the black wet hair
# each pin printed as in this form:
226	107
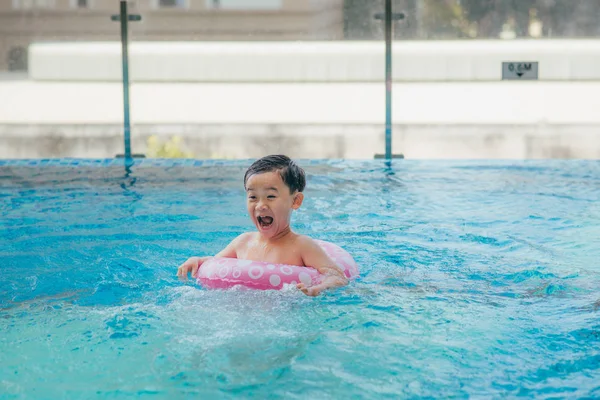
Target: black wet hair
291	174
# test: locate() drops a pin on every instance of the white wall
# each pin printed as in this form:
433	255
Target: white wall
336	61
339	120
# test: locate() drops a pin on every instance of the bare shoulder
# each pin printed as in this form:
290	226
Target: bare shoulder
243	240
306	241
314	256
244	237
236	245
309	246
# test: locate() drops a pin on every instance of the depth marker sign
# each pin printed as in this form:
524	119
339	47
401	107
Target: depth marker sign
520	71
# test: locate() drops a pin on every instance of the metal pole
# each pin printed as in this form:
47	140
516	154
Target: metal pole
388	79
123	17
388	16
125	60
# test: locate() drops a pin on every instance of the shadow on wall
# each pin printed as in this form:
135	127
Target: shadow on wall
17	59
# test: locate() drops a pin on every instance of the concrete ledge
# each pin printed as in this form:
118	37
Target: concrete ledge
309	141
433	120
334	61
26	102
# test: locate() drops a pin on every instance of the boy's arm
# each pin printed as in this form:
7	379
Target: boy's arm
314	256
194	263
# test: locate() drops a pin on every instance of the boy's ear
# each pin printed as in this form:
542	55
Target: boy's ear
298	198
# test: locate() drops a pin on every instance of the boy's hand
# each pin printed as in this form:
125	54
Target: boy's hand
191	265
309	291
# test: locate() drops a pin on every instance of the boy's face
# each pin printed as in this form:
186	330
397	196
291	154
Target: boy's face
270	203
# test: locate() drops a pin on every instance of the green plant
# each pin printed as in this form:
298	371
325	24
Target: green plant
169	149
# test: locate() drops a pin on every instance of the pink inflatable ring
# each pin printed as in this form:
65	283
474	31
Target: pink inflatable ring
223	273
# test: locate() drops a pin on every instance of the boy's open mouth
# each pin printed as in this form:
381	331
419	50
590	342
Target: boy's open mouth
265	222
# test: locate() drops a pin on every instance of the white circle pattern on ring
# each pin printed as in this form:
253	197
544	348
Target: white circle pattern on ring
305	278
236	273
255	275
286	269
243	263
223	271
274	280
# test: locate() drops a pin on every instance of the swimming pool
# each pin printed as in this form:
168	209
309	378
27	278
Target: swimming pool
479	279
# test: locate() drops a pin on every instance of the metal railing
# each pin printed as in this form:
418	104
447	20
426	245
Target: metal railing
124	17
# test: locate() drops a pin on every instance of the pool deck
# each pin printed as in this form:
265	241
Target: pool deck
322	120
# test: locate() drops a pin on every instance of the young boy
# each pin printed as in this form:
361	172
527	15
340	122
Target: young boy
274	186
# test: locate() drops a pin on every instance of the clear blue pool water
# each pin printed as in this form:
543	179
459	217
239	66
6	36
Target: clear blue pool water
479	279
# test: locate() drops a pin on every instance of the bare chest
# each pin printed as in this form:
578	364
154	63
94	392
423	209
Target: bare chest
286	254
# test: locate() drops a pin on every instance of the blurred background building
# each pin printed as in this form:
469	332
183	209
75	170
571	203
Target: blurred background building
25	21
238	78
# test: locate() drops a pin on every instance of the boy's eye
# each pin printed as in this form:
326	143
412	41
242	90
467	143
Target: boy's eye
252	197
270	197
